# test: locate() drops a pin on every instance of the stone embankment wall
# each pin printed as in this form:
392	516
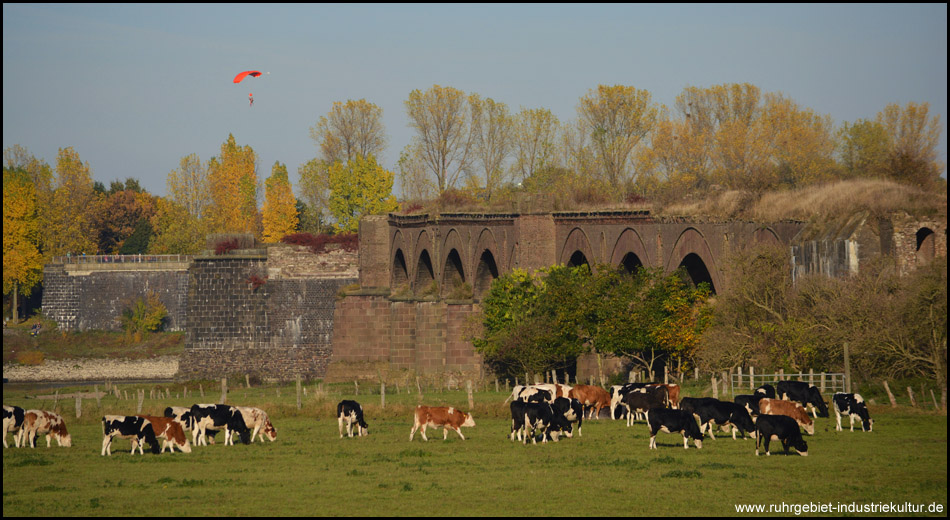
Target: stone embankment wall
165	367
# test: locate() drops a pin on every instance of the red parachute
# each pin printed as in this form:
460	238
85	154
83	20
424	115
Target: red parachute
253	73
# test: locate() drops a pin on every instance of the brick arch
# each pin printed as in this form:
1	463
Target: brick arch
630	242
926	245
423	270
486	258
577	241
691	247
398	259
765	235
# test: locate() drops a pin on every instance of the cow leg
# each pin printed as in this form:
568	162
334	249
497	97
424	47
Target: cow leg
106	445
423	432
838	419
653	441
459	431
686	440
851	420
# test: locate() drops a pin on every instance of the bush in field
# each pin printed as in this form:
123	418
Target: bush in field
143	315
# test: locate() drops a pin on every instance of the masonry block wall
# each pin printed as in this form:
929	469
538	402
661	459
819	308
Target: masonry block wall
92	297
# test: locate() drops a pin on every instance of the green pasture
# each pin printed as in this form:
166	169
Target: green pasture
310	471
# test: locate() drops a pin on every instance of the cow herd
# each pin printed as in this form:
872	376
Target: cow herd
538	412
202	420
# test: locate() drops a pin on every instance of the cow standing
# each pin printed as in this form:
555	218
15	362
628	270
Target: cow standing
138	429
716	412
852	405
350	412
644	399
182	415
674	421
170	431
12	423
790	409
782	428
803	393
41	422
594	397
258	423
440	416
206	417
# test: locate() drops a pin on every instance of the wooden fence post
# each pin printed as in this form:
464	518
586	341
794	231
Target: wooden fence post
224	390
247	381
822	382
201	390
78	407
890	395
751	377
141	396
471	399
934	397
847	368
715	388
811	376
299	403
382	395
910	392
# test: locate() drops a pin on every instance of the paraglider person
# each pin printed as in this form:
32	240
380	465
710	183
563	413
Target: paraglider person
251	98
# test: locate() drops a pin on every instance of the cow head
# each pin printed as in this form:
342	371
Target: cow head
269	431
469	421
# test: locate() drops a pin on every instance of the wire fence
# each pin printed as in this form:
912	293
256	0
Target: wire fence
825	381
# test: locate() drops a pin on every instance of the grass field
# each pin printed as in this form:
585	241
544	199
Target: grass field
310	471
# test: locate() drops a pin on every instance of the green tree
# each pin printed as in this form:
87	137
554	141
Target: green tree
359	187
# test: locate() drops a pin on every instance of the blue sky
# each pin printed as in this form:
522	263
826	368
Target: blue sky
134	88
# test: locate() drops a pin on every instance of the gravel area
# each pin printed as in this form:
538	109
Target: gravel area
93	369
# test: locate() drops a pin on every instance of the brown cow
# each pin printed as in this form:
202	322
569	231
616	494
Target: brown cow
437	416
170	431
593	396
790	409
40	422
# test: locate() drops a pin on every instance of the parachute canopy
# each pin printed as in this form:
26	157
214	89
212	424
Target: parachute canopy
239	77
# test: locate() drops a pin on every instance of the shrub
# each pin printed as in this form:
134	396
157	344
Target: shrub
143	315
30	357
318	243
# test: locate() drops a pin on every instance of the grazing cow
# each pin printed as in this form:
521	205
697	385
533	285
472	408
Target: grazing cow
803	393
12	423
767	391
445	416
594	397
721	413
350	412
541	419
170	432
617	392
573	412
673	392
690	404
182	416
138	429
41	422
749	402
852	405
782	428
258	422
642	400
674	421
789	408
206	417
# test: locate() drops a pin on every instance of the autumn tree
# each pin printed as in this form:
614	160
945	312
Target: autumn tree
189	186
176	230
22	261
534	141
443	140
617	118
233	184
69	228
350	129
117	214
314	195
492	132
279	214
414	179
913	136
357	188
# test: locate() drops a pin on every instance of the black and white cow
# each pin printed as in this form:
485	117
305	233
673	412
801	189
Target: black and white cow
538	419
182	416
690	404
674	421
12	423
750	402
617	393
782	428
852	405
128	427
767	391
206	417
803	393
643	399
350	412
573	412
716	412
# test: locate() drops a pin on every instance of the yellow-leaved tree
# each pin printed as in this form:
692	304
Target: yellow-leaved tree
233	181
279	214
22	262
69	228
443	141
359	187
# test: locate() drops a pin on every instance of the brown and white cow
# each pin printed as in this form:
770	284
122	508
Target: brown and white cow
594	397
673	391
789	409
41	422
444	416
258	422
170	431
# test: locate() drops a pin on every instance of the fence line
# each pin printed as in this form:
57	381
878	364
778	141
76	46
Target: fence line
120	259
827	382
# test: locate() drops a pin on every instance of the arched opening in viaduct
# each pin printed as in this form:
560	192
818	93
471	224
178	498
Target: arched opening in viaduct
453	274
630	263
697	271
425	275
926	248
400	270
485	274
578	258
